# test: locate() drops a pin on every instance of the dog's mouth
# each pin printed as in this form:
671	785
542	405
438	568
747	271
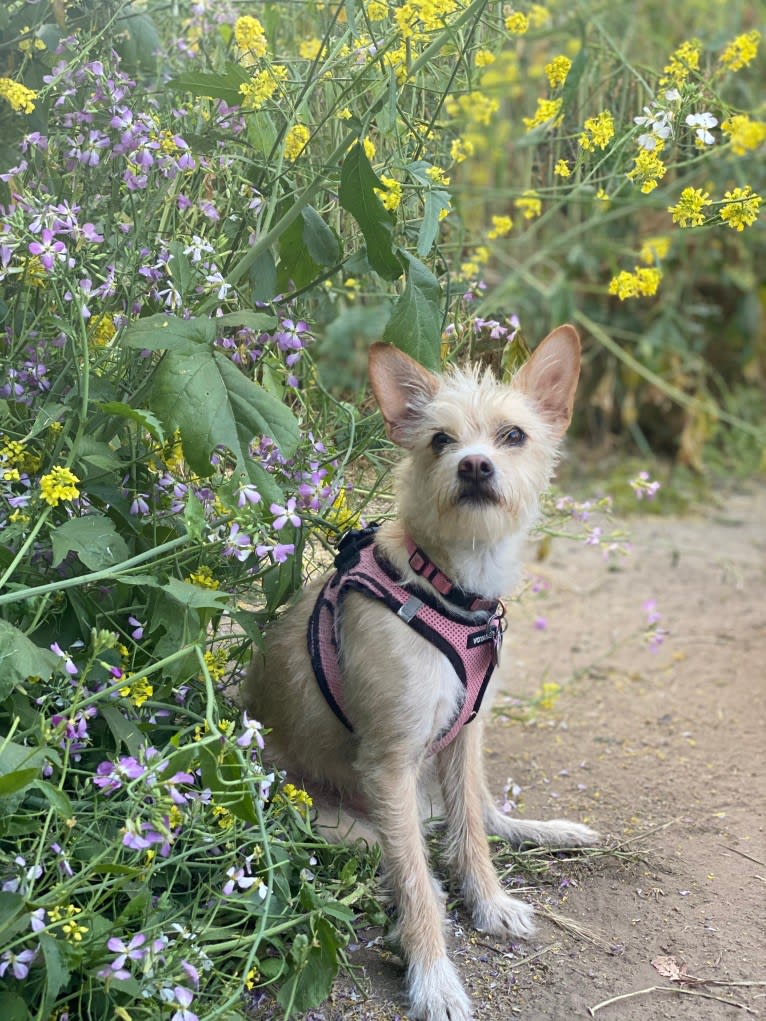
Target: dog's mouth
477	494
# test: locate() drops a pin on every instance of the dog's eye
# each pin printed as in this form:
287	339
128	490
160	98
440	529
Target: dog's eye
515	436
439	441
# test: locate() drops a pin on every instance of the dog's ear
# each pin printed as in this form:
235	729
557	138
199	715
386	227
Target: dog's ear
402	388
550	376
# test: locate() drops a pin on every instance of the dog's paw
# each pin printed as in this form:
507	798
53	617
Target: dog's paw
504	916
563	833
436	993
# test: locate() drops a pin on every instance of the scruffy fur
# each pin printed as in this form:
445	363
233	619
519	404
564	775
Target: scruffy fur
468	491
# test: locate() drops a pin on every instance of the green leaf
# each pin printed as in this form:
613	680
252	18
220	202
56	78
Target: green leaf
55	798
216	86
93	538
181	269
13	1008
11	906
195	596
296	267
212	403
435	201
56	971
261	132
20	658
123	730
252	320
310	984
357	196
144	419
416	320
322	243
169	333
18	780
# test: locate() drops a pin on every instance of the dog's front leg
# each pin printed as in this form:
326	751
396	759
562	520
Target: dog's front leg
435	990
462	782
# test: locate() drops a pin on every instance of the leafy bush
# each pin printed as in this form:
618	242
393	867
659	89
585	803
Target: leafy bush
188	202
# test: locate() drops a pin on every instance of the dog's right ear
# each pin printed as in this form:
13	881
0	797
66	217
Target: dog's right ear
402	388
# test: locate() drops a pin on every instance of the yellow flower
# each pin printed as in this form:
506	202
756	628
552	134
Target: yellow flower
517	23
562	169
59	484
682	62
296	795
102	330
648	168
549	692
741	209
369	149
743	133
437	176
501	226
599	131
295	141
344	114
741	51
547	112
262	87
687	212
249	36
643	282
557	70
477	107
30	42
602	196
461	149
138	692
484	58
251	979
310	49
377	10
654	249
19	96
223	817
392	196
538	16
215	661
529	204
203	577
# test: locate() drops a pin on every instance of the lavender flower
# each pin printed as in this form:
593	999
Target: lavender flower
18	963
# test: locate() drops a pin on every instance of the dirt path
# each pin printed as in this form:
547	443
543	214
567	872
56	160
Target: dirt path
665	750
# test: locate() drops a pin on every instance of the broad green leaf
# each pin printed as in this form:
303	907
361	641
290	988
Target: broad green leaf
56	971
311	982
195	596
11	906
261	132
216	86
435	202
169	333
357	196
143	418
252	320
93	538
212	403
20	658
181	269
415	323
322	243
18	780
296	267
13	1008
55	798
123	730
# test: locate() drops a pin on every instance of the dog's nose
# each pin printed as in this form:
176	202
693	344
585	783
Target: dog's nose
475	468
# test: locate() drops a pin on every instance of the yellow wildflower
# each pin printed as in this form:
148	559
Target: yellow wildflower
310	49
743	133
392	196
557	70
203	577
377	10
19	96
437	176
461	149
344	114
654	249
296	795
478	107
682	62
547	112
538	16
517	23
369	149
643	282
562	169
59	484
501	226
251	979
102	330
741	209
741	51
262	87
648	168
249	36
30	42
215	661
223	817
484	58
599	131
296	140
602	196
138	692
529	204
687	212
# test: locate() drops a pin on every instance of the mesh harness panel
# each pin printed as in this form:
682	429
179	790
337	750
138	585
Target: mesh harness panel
470	646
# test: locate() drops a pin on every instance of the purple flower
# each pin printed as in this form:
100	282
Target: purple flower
138	634
248	494
48	250
285	514
139	505
183	998
110	775
134	950
252	732
241	878
238	544
18	963
69	666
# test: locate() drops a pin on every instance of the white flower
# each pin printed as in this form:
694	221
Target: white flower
702	122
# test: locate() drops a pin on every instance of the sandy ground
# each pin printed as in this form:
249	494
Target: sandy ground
664	752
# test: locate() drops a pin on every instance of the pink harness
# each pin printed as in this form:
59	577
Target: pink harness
469	639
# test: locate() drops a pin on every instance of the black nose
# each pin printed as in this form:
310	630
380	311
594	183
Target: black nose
475	468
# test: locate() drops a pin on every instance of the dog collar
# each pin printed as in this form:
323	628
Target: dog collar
427	569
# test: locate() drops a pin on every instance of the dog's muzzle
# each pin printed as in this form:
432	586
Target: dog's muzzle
476	476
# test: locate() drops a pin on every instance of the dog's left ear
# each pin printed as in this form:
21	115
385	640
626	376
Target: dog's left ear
550	376
402	388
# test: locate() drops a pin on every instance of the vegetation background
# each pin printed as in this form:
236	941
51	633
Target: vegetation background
210	210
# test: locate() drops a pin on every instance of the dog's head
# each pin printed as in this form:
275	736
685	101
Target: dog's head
480	451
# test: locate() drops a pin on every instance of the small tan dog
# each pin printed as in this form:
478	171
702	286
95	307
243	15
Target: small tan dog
363	688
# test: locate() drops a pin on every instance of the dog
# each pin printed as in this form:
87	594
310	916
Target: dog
376	675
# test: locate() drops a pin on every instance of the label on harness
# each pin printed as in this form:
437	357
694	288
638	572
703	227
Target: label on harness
480	637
